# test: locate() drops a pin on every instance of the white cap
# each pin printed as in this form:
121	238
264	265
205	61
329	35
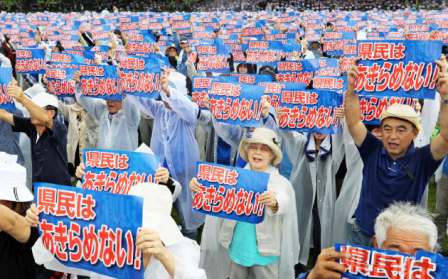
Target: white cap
34	90
45	99
157	205
13	180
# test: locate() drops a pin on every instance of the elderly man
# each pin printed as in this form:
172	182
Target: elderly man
401	227
394	170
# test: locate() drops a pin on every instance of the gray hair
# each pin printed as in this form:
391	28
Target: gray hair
405	216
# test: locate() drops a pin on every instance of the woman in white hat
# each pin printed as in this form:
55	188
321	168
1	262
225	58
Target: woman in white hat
16	239
269	249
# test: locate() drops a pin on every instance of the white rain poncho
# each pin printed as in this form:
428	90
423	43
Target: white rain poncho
120	133
215	259
173	140
307	180
348	199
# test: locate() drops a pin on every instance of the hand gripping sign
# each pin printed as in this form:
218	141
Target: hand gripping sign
100	82
6	102
310	111
230	193
398	68
117	171
203	85
30	61
213	58
91	230
375	263
140	76
304	71
60	81
264	52
236	103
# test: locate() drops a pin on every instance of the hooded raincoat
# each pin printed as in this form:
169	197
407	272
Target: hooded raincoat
311	178
173	140
215	259
118	131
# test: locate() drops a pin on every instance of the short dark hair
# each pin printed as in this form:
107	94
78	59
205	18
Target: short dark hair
52	108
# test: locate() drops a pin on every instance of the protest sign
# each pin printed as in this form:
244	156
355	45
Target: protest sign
264	52
273	90
102	51
238	52
202	86
376	263
310	111
334	42
338	84
252	78
117	171
304	71
398	68
6	102
139	43
236	103
140	76
91	230
372	107
181	23
60	81
68	60
350	53
213	58
30	61
100	82
230	192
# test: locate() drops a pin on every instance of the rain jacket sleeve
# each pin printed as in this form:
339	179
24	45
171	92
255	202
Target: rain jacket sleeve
184	107
291	141
146	105
94	107
131	113
231	134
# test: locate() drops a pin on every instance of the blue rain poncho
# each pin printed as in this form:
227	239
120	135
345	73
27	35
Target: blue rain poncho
173	139
120	133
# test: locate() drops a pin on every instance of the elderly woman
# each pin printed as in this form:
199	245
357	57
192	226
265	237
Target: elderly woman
269	249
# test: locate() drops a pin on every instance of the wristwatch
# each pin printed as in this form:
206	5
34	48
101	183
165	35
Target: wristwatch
443	101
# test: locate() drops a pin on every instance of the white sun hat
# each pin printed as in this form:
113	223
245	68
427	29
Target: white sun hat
13	180
157	205
264	136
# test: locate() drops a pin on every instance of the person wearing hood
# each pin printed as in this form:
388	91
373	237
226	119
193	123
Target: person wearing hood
48	136
238	250
118	120
174	141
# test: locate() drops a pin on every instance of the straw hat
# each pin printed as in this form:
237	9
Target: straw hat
157	205
263	136
403	112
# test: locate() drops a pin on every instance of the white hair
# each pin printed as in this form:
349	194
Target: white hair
405	216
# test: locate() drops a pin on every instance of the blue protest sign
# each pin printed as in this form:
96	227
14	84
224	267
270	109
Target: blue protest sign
376	263
372	107
82	230
338	84
236	103
238	52
60	81
140	76
252	79
202	86
304	71
30	61
141	44
310	111
213	58
117	171
264	52
68	60
100	82
230	193
273	90
181	22
102	51
398	68
6	102
334	42
88	55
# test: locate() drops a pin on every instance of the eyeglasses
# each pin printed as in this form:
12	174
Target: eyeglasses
263	148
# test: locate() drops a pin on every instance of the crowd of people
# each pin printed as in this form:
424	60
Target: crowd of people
366	185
